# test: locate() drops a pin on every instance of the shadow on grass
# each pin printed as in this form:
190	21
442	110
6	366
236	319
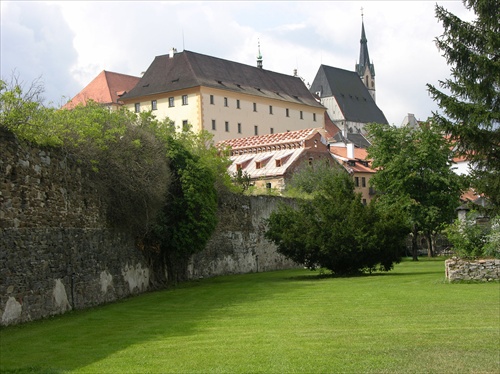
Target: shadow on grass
81	338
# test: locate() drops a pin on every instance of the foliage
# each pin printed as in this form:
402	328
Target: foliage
334	230
473	239
415	176
471	110
306	179
242	180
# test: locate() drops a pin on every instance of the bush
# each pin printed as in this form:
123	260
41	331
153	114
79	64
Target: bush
470	238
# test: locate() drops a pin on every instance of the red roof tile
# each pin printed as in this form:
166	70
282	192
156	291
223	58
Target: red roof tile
104	89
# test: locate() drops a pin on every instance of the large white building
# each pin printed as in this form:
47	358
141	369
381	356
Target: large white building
226	98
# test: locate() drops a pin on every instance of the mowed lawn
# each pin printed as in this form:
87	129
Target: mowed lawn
409	320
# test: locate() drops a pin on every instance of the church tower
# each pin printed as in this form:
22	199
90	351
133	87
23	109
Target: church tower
364	68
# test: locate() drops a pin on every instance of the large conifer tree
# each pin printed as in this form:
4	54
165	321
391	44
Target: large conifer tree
472	107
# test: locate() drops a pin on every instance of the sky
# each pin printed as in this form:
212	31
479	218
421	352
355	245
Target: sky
66	44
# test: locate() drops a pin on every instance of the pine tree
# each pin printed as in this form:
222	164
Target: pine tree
472	109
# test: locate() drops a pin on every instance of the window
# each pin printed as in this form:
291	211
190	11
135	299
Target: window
212	99
272	130
278	163
254	107
137	107
237	104
314	117
258	165
310	160
301	115
227	126
184	99
213	125
256	130
225	101
363	182
239	128
185	126
154	105
364	201
268	185
287	112
356	181
170	102
270	109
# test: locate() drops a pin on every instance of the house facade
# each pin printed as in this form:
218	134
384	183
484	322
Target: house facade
355	161
270	160
228	99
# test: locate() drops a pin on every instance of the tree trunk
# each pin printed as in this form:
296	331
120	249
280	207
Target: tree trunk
414	247
430	249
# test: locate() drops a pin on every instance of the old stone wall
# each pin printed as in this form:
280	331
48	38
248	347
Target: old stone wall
480	270
57	252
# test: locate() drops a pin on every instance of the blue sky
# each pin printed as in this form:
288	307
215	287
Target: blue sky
66	44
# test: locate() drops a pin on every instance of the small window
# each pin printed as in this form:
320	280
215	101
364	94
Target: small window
287	112
184	99
364	201
137	107
225	101
256	130
238	167
301	115
185	125
254	107
227	126
237	104
258	165
170	102
212	99
268	185
310	160
314	117
214	127
154	105
270	109
239	128
272	130
356	181
278	163
363	182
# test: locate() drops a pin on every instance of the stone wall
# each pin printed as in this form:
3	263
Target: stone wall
57	253
479	270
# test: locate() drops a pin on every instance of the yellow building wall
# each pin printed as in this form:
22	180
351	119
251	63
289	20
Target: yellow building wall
365	191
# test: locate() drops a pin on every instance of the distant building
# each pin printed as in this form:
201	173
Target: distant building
226	98
106	89
349	96
270	160
355	161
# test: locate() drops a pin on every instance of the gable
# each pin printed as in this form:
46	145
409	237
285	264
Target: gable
351	95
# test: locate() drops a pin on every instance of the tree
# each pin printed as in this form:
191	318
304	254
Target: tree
334	230
414	175
472	108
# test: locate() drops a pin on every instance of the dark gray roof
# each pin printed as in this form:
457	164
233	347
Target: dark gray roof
364	57
351	94
358	140
189	69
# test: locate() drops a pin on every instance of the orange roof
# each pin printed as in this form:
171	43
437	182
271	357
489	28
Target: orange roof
268	139
359	153
106	88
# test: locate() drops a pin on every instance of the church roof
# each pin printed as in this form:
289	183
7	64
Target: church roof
364	57
189	69
106	88
352	96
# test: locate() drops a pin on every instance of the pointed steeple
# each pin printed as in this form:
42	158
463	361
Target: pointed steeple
259	58
365	68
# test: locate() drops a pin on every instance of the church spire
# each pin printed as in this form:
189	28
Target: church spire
259	58
364	68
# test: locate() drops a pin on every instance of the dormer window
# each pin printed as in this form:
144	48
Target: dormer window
258	165
351	163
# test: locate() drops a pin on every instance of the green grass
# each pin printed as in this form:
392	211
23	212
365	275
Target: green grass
407	321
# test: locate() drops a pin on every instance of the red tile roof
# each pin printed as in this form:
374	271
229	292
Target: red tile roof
269	139
104	89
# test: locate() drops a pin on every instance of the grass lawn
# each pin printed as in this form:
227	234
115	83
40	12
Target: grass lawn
406	321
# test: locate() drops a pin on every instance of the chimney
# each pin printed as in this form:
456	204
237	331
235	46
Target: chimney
172	52
350	150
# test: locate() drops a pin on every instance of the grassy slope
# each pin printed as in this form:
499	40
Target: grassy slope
409	320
